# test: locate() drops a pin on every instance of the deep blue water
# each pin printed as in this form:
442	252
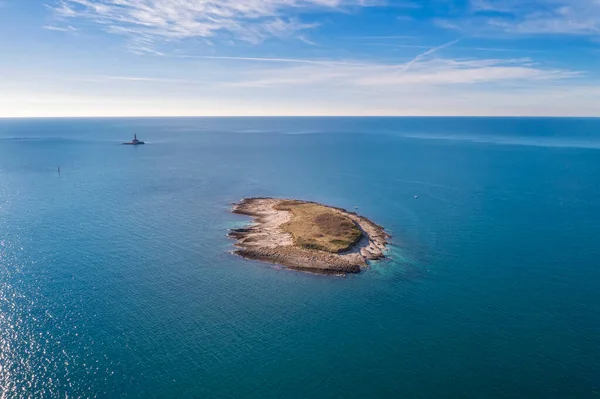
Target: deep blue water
116	278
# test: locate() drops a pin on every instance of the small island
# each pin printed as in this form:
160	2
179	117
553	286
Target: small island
308	236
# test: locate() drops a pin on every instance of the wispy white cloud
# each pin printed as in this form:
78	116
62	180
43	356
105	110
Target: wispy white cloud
134	79
567	17
553	23
415	73
275	60
542	100
466	48
578	17
59	28
306	40
430	87
503	6
432	50
380	37
338	76
248	20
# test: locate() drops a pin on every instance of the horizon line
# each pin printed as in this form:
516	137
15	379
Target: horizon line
297	116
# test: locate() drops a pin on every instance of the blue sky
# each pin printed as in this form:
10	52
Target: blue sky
299	57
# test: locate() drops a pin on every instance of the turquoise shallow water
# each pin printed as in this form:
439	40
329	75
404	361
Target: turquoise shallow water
116	278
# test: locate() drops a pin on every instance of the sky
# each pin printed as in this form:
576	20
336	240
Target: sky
299	57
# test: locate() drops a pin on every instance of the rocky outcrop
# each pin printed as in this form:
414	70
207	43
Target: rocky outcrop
266	241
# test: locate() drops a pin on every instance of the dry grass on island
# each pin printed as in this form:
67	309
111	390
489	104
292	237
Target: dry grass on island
314	226
308	236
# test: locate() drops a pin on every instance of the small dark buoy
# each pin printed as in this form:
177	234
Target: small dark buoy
59	170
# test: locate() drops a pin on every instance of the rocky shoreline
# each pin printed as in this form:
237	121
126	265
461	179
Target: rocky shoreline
266	241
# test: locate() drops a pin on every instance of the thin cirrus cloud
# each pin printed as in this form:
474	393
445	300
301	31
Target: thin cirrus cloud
59	28
570	17
422	70
249	20
435	73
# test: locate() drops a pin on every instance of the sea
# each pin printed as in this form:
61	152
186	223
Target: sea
117	278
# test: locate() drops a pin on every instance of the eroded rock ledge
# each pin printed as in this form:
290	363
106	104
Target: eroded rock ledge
307	236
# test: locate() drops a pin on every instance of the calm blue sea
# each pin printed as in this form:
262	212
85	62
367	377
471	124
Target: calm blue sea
116	278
